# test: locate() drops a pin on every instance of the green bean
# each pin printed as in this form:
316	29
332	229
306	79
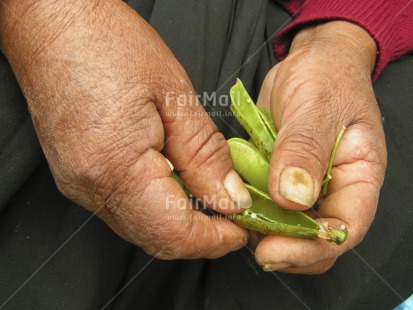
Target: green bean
268	218
254	121
252	164
265	216
267	119
249	163
330	163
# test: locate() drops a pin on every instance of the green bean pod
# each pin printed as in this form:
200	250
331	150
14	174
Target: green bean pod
266	117
268	218
249	163
252	164
254	121
265	216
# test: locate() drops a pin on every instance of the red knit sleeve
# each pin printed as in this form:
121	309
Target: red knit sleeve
389	22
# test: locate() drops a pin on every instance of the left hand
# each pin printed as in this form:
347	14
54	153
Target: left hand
106	96
323	85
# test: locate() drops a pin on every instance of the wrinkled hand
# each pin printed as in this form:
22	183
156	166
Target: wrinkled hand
323	85
106	96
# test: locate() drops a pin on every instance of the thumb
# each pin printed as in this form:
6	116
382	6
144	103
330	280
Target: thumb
307	131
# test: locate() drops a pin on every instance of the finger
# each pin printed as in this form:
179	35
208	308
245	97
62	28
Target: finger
351	201
283	252
304	142
200	153
353	206
362	157
357	177
151	210
314	269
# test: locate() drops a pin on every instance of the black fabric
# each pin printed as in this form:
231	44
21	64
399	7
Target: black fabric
19	149
83	260
55	255
215	43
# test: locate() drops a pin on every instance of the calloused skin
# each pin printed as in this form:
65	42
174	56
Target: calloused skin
323	85
96	77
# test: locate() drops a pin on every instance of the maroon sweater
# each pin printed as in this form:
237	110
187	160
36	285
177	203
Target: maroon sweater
389	22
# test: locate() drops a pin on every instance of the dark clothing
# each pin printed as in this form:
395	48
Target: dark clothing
56	255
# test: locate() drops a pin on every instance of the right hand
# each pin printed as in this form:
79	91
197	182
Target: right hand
322	85
106	96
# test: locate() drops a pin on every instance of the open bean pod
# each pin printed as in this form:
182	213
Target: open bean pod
258	123
252	164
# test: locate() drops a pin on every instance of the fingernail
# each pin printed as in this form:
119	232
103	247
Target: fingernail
170	164
273	267
297	185
236	189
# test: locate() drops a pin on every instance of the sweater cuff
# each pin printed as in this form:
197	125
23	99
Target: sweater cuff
386	21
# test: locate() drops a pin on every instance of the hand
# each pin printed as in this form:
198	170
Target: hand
323	85
106	96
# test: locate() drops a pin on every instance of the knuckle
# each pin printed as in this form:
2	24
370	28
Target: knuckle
304	144
206	147
211	148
